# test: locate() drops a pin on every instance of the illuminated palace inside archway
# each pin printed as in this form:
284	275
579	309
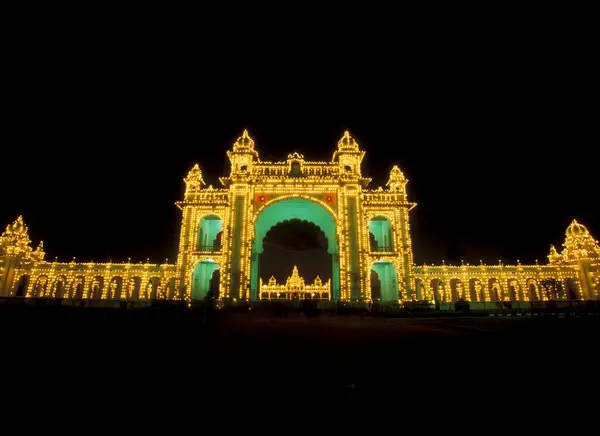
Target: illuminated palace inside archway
368	240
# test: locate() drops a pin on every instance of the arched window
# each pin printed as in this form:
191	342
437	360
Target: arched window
209	229
382	239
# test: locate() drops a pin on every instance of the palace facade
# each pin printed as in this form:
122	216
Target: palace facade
295	288
367	231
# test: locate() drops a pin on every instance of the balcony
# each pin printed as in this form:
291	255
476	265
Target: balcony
209	248
383	249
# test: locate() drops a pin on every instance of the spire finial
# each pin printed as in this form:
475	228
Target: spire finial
397	181
194	179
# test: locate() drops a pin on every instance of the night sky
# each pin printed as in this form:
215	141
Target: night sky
493	127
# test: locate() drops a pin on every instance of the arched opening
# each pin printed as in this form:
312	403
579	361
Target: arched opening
434	289
213	285
295	169
382	239
59	287
208	230
156	288
202	278
97	286
532	290
551	289
146	295
419	290
375	286
169	289
295	249
495	290
115	288
132	290
476	290
513	290
571	292
39	289
472	291
78	288
456	290
387	276
96	292
22	285
218	244
465	290
444	291
302	210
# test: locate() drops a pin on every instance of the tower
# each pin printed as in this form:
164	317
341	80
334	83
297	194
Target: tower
15	250
243	158
397	186
581	251
348	156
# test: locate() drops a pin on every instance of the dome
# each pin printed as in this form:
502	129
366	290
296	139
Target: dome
579	243
244	141
347	143
576	229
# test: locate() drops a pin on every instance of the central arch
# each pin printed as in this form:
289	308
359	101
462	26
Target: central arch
302	209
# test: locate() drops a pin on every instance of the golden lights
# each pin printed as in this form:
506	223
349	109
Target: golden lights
254	185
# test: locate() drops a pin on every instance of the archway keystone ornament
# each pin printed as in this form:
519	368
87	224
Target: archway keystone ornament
261	199
330	198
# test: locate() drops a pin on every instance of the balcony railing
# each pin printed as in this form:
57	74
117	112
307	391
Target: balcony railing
383	249
209	248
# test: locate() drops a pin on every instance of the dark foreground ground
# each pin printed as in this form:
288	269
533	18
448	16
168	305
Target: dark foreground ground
171	360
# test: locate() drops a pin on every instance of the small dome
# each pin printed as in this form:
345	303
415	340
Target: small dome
244	141
576	229
347	142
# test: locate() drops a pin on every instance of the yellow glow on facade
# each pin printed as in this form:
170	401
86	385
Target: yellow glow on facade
372	228
295	288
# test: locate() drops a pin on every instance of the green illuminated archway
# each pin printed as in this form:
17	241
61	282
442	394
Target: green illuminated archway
388	277
209	228
302	209
203	272
381	228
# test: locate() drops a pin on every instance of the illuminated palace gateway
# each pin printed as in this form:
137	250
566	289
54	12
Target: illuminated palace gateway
367	231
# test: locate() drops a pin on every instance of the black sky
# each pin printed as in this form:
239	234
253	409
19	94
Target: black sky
494	123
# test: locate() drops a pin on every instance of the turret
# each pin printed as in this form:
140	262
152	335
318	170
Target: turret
194	181
579	243
15	240
348	156
397	181
554	256
243	155
39	252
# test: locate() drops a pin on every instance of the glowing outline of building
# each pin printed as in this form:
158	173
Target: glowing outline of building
366	229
